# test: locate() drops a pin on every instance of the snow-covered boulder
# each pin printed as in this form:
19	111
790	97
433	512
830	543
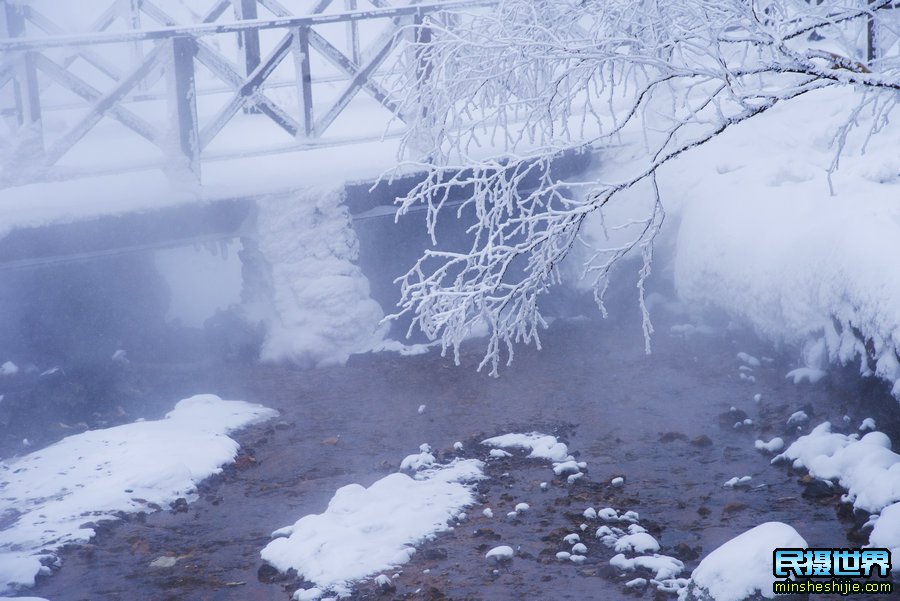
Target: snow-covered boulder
741	569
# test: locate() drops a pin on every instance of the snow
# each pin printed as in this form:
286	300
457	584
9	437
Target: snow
773	446
867	424
886	533
617	481
54	492
762	236
572	538
541	446
364	531
522	507
640	542
500	554
488	512
798	417
499	453
566	467
563	555
805	374
590	513
663	566
866	467
736	482
579	548
748	359
9	369
743	566
320	310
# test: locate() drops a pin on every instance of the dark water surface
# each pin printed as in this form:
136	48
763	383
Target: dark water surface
662	421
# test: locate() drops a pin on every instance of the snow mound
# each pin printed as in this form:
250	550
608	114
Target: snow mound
365	531
865	466
49	496
541	446
741	567
799	263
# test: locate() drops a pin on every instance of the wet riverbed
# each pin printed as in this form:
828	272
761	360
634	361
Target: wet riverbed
663	421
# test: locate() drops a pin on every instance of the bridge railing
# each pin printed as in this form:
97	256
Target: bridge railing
177	86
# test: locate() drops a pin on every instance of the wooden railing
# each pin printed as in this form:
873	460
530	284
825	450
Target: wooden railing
41	63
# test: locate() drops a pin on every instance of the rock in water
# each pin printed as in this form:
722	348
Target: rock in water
741	569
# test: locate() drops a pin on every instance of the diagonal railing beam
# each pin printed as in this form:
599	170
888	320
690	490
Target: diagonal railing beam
246	92
228	72
66	79
101	106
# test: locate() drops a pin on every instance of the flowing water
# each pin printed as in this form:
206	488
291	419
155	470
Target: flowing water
662	421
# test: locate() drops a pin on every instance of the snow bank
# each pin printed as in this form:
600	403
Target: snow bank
762	237
49	496
368	530
865	466
321	311
742	567
541	446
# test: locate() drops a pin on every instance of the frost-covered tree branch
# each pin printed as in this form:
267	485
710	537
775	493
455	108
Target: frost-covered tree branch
498	95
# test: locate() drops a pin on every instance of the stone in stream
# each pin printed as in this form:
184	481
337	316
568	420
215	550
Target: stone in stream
741	569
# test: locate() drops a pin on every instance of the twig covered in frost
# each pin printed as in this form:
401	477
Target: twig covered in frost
529	79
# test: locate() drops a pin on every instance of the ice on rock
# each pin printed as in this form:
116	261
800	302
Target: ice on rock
886	532
566	467
617	481
742	567
500	554
457	446
522	507
630	516
805	374
577	558
590	513
865	467
574	478
748	359
563	555
663	566
636	583
488	512
640	542
797	418
308	594
499	454
608	514
421	409
738	482
867	424
541	446
773	446
580	548
419	460
9	369
571	539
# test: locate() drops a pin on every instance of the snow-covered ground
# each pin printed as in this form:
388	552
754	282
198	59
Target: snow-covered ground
764	238
52	497
368	530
